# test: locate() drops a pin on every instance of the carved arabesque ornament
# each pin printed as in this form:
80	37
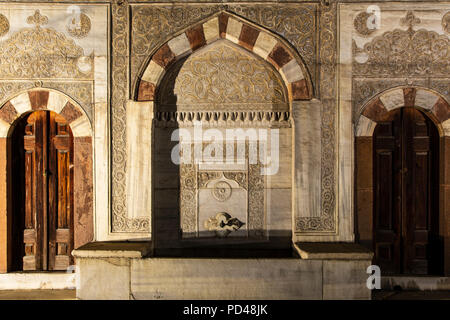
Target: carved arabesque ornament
79	26
407	52
4	25
41	53
223	77
326	222
446	22
120	220
360	24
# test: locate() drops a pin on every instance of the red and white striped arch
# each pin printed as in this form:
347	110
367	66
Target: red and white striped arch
44	99
228	26
429	101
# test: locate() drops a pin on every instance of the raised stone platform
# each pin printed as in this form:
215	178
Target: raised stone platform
129	273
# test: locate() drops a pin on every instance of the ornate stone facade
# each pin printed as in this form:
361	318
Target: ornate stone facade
411	55
137	68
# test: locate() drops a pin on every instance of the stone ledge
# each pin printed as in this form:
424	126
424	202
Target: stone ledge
332	251
133	250
37	280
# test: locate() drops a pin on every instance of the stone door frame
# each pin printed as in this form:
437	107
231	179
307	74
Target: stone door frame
438	110
11	112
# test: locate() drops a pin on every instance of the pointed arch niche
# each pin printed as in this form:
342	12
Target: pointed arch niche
11	113
253	83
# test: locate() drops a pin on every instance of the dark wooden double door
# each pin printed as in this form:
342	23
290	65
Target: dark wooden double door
406	213
42	166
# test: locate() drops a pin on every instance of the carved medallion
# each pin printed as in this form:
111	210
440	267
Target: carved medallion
79	25
221	191
84	64
4	25
446	22
360	24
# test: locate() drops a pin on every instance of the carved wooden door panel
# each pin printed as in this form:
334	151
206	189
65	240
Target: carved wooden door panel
387	192
420	202
405	194
60	193
46	191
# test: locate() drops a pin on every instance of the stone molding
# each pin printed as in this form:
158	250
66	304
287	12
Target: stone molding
223	119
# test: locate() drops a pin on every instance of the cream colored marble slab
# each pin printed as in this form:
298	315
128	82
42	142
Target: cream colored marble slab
292	71
211	30
179	45
425	99
446	127
56	101
103	279
307	153
234	28
101	79
279	211
365	127
22	103
264	44
345	280
81	127
153	72
101	183
4	128
160	278
139	146
393	99
37	281
345	138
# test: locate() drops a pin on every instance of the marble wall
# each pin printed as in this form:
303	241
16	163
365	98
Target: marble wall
317	61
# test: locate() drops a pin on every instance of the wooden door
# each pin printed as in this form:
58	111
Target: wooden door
43	178
406	193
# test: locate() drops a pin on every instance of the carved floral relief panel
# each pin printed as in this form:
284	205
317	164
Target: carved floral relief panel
410	47
49	41
53	46
223	77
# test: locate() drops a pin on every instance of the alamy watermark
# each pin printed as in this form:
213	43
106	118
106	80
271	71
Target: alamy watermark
374	280
227	147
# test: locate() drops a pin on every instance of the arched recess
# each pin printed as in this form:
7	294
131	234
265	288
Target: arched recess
433	105
224	25
10	112
246	85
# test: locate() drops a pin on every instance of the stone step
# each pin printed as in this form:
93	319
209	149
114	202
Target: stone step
415	283
37	280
